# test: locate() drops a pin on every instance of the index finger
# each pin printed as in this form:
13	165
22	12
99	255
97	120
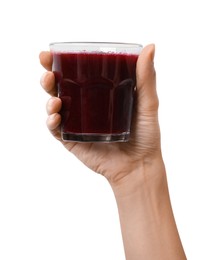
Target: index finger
46	59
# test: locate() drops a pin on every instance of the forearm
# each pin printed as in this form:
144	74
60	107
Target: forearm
147	222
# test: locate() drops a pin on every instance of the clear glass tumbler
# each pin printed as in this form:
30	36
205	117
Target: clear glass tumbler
96	83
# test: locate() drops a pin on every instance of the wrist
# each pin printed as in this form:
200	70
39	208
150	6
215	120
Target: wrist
143	174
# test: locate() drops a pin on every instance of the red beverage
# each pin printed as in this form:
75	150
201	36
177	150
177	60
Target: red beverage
97	92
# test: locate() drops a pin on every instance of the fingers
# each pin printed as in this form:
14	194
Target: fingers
47	79
48	83
53	106
53	122
146	81
46	59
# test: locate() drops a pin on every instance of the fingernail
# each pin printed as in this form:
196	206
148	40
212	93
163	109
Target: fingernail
49	105
52	117
42	80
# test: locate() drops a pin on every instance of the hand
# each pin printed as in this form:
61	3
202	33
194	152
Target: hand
115	160
134	169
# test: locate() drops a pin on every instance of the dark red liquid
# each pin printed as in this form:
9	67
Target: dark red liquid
97	91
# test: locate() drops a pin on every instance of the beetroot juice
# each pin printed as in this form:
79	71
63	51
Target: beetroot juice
97	93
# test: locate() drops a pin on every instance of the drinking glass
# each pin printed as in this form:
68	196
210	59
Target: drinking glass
96	82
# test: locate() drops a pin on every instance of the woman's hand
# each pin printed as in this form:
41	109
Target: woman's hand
115	160
134	169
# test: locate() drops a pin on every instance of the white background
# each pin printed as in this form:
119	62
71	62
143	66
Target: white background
51	205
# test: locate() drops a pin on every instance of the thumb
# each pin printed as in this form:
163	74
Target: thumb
147	100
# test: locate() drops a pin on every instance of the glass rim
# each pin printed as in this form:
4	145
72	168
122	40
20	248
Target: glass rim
87	46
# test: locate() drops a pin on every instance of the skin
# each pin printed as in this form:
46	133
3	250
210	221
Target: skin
135	170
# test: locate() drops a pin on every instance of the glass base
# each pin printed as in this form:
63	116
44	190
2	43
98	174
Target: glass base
92	138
